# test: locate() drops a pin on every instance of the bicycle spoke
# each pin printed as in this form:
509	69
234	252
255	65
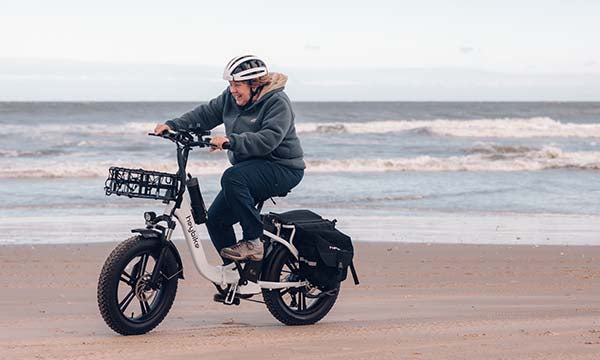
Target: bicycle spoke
145	307
298	301
144	263
302	302
293	302
126	301
291	266
126	278
284	292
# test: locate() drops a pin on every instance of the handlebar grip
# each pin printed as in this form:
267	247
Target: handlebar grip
226	145
164	133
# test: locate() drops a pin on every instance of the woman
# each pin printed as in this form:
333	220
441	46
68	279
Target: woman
264	150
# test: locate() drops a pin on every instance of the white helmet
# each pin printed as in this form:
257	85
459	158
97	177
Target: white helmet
244	67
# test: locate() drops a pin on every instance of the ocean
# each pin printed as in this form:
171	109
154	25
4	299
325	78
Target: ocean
393	162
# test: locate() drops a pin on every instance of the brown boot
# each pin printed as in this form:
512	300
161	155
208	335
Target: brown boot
244	250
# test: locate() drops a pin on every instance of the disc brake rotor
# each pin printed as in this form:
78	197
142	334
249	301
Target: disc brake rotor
142	291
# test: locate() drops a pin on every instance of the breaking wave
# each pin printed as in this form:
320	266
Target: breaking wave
477	159
30	153
498	128
534	160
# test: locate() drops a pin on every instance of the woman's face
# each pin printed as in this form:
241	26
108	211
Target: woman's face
240	91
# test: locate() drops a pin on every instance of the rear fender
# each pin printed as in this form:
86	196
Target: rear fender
273	250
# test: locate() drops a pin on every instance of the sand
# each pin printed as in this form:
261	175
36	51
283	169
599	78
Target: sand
416	301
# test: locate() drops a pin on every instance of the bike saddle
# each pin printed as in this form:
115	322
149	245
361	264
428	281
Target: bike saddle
259	204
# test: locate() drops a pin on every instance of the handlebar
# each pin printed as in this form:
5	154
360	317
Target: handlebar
185	141
187	138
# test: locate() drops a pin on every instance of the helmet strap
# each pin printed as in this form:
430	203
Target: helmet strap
253	93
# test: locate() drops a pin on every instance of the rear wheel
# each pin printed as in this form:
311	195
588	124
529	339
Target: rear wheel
295	306
129	304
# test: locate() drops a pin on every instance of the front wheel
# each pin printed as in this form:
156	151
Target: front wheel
295	306
129	304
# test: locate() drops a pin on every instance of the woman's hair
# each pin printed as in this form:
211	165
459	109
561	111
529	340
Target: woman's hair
260	81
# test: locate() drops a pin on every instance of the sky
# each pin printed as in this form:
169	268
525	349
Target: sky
547	38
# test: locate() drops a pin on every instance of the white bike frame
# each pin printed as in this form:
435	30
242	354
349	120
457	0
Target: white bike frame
228	274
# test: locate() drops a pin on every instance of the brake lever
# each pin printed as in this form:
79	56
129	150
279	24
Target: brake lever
177	136
225	145
201	133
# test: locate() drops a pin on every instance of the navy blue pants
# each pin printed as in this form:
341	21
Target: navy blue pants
242	186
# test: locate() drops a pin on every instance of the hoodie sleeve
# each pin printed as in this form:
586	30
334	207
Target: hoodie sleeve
275	125
205	117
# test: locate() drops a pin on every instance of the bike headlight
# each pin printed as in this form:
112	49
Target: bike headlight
149	216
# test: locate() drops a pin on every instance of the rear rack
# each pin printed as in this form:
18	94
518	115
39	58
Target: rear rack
140	183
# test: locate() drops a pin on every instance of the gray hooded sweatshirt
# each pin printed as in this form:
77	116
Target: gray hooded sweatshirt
265	129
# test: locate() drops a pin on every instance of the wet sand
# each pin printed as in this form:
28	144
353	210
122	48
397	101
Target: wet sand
415	301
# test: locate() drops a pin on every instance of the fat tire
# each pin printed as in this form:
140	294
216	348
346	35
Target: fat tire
278	308
109	280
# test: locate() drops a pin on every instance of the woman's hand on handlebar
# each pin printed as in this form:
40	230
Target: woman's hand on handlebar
219	143
161	128
187	138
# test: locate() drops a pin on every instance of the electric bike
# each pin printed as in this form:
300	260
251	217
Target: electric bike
139	279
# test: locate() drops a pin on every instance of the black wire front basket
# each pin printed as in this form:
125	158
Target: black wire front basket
141	183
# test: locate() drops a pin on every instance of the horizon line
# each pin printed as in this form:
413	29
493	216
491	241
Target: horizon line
307	101
319	67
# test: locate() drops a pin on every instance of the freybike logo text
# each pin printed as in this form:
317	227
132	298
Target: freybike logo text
192	232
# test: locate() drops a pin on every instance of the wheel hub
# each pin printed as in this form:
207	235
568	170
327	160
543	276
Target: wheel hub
143	291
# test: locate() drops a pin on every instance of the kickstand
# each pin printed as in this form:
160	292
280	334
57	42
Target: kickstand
231	294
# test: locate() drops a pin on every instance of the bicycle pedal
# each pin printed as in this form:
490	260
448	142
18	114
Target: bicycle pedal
219	298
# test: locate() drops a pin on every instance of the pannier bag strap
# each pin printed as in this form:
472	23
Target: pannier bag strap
354	276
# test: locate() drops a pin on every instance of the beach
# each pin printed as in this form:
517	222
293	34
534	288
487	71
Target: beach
415	301
475	225
456	144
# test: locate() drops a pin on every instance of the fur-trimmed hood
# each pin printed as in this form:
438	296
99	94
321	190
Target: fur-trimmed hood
277	81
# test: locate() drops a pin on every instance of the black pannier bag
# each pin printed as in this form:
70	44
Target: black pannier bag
325	253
